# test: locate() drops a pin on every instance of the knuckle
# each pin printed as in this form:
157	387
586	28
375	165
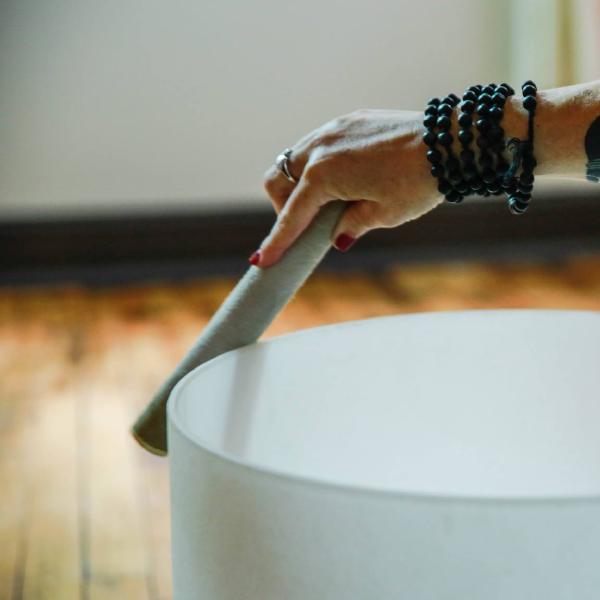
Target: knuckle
314	173
268	185
269	182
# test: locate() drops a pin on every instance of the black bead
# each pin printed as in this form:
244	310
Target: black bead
437	170
498	99
465	120
454	97
469	95
483	124
444	186
497	146
468	106
443	122
488	175
470	172
453	196
463	188
484	98
526	177
449	101
493	188
495	133
431	110
445	138
452	163
488	89
433	101
523	196
429	138
444	109
529	90
529	82
501	166
483	109
515	206
455	176
476	88
529	103
529	163
467	156
476	183
508	88
430	121
434	156
465	136
496	113
525	187
482	141
486	159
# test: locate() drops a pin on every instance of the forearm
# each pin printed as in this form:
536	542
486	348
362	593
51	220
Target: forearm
565	118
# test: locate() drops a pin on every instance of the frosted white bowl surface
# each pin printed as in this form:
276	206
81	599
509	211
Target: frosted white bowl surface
420	456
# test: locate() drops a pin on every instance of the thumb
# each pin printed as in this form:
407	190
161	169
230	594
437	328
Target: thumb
358	218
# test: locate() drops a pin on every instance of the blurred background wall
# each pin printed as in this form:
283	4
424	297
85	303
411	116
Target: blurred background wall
146	105
117	105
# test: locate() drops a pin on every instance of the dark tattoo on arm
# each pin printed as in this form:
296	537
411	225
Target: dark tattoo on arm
592	149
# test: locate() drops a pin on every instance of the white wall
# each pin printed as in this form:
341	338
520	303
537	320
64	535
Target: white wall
136	104
555	42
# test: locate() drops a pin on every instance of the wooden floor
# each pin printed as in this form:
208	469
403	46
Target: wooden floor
84	511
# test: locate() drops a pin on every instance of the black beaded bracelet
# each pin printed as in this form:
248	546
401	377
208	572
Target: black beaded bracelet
487	104
438	114
518	201
465	135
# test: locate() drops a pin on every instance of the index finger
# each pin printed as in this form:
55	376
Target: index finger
298	212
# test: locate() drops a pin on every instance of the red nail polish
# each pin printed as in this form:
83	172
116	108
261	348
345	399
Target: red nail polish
343	242
255	258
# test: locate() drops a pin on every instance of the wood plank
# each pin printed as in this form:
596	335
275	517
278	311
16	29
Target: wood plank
85	511
37	466
53	562
117	553
13	514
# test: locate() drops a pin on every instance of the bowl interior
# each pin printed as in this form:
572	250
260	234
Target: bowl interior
495	403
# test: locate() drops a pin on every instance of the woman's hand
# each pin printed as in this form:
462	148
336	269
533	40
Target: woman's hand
375	159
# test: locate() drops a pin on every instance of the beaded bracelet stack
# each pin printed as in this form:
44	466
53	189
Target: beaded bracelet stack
459	177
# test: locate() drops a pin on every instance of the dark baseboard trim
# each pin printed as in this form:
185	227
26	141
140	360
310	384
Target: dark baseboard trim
135	248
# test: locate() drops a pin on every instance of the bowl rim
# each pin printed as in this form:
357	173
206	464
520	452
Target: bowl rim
356	489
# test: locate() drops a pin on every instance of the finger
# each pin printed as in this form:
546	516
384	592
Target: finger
359	217
278	188
299	210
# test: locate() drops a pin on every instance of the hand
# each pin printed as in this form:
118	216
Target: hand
375	159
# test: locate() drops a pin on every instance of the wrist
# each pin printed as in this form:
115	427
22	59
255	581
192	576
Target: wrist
562	117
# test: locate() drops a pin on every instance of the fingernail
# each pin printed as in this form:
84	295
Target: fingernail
254	258
343	242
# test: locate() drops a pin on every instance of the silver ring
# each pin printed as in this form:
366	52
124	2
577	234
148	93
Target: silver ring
281	162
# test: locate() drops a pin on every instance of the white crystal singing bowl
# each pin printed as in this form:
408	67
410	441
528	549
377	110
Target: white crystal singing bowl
434	456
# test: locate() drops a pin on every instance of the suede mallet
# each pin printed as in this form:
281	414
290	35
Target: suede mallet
244	315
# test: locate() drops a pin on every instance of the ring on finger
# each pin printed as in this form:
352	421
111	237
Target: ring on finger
282	164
